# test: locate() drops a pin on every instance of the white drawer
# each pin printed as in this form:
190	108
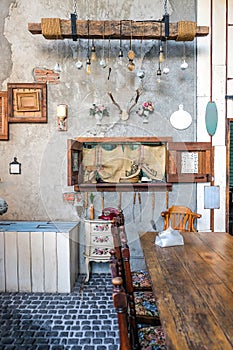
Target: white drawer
100	252
100	227
100	239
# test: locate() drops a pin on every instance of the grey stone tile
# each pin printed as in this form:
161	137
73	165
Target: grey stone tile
84	319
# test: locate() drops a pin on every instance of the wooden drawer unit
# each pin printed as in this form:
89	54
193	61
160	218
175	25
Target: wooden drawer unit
98	242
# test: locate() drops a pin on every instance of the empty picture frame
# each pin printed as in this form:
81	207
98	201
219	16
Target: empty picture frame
4	135
27	102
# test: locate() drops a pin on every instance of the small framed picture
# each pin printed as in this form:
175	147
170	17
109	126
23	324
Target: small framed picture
27	102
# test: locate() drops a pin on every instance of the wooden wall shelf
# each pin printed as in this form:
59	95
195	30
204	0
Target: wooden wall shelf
56	28
126	139
124	187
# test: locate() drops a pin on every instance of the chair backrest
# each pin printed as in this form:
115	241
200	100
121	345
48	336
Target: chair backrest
180	218
121	305
118	233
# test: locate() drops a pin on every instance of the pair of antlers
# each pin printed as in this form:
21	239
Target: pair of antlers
125	113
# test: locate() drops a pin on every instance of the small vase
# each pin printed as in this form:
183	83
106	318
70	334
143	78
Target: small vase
92	212
98	117
145	117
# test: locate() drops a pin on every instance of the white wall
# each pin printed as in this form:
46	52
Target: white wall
218	95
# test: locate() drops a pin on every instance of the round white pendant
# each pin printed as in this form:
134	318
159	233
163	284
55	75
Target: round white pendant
181	119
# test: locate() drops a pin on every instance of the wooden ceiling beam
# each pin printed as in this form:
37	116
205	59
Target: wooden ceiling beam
55	28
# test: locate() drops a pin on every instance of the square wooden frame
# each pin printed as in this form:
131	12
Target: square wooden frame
27	102
4	128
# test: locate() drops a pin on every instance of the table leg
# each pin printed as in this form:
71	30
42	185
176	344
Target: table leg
88	269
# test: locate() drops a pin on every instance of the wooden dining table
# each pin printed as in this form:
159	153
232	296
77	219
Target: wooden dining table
193	287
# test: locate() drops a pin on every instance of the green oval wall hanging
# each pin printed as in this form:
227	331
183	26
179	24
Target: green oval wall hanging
211	118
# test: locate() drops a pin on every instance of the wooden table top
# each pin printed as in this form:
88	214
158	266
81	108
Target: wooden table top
193	286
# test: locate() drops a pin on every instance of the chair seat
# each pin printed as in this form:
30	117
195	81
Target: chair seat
146	308
141	280
151	338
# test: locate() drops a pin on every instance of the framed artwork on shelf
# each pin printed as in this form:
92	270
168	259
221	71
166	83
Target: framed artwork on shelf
4	135
27	102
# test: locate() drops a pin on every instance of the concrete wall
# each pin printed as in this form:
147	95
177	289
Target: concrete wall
37	194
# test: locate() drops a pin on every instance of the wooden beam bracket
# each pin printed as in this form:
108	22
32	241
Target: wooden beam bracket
73	18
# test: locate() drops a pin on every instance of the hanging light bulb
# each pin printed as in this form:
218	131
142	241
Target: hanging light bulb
131	66
184	65
103	62
79	64
159	73
93	52
57	68
88	61
120	57
131	55
120	54
141	74
88	66
166	70
161	54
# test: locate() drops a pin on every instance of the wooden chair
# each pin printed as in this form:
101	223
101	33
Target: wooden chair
180	218
140	278
132	336
142	304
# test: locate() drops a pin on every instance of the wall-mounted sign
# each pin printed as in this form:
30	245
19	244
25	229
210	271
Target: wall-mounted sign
181	119
211	118
212	197
189	163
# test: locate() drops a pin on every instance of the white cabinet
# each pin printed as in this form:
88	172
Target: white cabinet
35	257
98	242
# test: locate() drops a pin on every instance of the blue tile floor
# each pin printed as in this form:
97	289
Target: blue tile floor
84	319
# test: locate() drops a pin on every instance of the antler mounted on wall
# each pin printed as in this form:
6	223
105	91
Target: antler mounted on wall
124	113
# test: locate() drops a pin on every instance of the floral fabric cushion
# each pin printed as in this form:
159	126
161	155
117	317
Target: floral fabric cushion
145	304
152	338
141	279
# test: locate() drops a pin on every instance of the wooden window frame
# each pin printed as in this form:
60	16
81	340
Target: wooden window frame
204	152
